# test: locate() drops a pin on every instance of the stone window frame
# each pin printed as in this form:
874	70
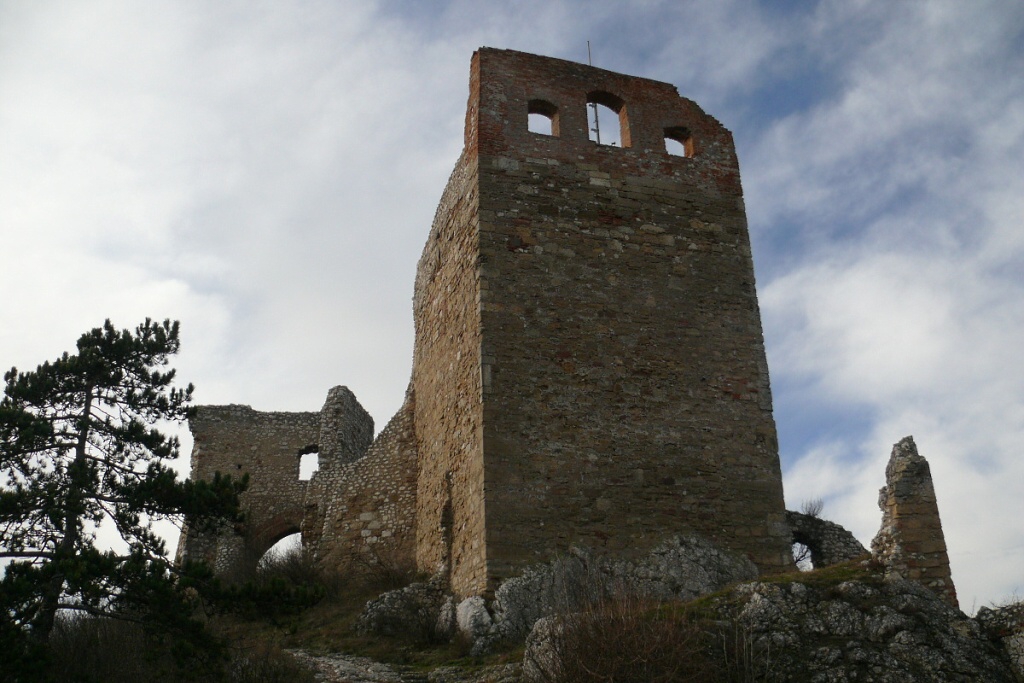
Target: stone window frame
311	449
684	137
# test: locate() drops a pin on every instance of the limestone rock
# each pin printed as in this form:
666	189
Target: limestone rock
866	629
892	631
1006	626
540	659
416	610
472	618
682	568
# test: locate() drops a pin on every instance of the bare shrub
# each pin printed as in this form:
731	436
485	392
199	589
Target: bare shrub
802	557
266	663
740	657
625	640
85	648
634	640
296	566
812	507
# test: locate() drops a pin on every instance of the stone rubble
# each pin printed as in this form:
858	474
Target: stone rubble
1006	625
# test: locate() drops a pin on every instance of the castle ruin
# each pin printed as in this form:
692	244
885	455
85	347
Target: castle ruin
588	369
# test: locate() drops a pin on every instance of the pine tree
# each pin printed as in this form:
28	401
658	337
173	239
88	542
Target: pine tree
80	447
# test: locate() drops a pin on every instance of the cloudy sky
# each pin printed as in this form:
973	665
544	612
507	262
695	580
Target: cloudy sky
266	172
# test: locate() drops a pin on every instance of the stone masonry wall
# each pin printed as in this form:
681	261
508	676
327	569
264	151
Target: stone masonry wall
910	543
237	440
369	504
346	432
625	386
828	542
267	446
447	380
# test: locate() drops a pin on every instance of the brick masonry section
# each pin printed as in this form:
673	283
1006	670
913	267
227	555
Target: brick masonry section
589	364
910	543
597	304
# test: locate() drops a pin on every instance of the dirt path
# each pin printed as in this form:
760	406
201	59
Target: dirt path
341	668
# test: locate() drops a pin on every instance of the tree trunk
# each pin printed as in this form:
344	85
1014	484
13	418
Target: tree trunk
65	550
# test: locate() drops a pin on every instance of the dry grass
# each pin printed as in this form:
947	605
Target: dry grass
628	639
113	651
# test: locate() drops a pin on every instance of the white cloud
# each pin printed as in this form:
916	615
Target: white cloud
898	202
267	174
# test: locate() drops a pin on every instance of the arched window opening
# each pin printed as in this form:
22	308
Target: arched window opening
542	117
802	557
282	552
309	463
678	142
606	119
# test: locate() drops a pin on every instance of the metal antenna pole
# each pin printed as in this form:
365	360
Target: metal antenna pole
597	123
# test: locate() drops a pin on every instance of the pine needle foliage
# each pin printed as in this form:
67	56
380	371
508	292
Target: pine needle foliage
81	448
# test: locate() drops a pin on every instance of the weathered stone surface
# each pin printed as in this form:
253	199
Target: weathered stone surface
540	657
828	542
894	631
680	569
414	610
362	513
472	617
871	631
1006	626
589	363
910	543
238	441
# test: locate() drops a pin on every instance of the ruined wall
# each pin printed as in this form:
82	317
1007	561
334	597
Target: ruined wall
828	542
369	504
910	543
346	432
628	395
267	446
237	440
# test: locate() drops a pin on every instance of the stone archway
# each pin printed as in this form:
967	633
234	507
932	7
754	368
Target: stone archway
828	542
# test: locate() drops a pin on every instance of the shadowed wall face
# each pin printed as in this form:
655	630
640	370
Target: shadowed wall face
333	507
237	440
587	324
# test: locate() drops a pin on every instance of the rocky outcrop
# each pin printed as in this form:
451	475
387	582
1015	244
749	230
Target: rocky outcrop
910	543
417	610
828	542
1005	625
892	631
680	569
864	629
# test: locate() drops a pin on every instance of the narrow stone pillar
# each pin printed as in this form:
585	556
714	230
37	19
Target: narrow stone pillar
910	543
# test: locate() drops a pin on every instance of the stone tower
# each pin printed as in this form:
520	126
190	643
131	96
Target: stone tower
589	363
